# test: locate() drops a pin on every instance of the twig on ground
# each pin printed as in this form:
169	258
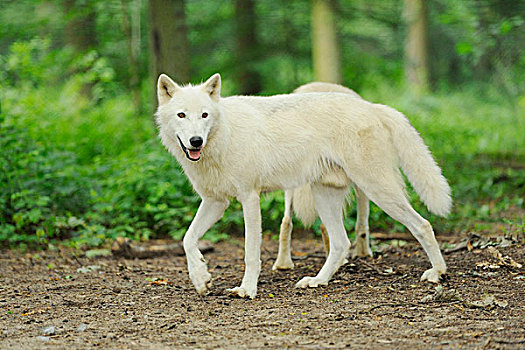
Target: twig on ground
124	247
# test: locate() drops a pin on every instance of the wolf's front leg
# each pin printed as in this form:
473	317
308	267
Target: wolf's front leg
208	213
252	246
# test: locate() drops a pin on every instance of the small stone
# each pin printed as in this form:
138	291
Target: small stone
427	298
49	330
42	338
88	269
82	327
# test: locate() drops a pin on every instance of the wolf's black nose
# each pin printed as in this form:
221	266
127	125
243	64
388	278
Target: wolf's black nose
196	141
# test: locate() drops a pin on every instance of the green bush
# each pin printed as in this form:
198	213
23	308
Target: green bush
69	103
145	196
40	189
86	168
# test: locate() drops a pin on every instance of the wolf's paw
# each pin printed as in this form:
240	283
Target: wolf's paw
312	282
432	275
361	252
201	280
283	264
243	292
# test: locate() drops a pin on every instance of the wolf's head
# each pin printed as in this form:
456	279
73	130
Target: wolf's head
187	114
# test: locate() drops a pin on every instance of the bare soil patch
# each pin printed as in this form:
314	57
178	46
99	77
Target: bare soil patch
61	300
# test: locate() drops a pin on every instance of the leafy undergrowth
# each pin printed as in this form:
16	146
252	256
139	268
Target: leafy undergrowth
50	196
84	170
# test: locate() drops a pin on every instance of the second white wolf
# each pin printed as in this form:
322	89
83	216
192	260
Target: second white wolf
242	145
301	201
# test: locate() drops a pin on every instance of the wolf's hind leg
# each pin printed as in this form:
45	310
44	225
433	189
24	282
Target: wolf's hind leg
284	257
329	204
362	232
326	239
394	203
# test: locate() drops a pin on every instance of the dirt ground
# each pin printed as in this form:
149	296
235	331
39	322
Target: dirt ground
63	300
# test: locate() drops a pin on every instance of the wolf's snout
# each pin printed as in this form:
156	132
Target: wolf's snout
196	141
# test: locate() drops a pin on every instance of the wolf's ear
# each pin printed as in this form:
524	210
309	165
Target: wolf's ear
165	89
213	87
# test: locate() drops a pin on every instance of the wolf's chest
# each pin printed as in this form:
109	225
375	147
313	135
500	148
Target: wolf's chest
210	181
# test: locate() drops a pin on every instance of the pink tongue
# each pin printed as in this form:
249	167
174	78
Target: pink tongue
194	154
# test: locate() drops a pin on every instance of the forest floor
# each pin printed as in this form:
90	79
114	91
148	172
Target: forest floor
64	300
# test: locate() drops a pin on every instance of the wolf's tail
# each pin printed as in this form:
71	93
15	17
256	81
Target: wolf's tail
417	163
303	205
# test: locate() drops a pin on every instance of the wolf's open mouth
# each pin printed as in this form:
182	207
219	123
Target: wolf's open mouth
193	154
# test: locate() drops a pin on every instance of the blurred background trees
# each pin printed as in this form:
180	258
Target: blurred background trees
416	46
325	46
77	79
272	46
247	48
170	47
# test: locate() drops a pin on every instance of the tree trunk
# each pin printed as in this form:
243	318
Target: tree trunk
80	31
247	47
325	48
169	40
416	46
131	26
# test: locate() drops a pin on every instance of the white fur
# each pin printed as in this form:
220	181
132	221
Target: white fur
302	200
254	144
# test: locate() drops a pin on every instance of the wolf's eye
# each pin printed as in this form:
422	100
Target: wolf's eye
181	115
205	115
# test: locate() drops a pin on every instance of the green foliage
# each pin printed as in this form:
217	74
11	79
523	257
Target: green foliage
78	162
145	197
40	189
57	111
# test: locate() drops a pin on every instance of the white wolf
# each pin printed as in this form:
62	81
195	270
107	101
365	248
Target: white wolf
302	202
242	145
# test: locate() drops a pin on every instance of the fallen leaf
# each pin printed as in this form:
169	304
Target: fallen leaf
458	307
487	301
160	281
299	253
503	260
486	265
